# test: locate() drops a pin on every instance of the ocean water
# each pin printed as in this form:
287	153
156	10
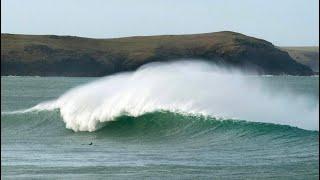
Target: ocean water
165	121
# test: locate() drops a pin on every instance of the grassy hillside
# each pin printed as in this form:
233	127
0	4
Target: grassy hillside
50	55
307	55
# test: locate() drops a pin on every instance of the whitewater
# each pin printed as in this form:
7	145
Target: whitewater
186	87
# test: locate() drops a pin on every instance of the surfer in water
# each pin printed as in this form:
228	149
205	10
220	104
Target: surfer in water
88	144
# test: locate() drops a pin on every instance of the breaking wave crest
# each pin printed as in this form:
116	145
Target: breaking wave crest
185	87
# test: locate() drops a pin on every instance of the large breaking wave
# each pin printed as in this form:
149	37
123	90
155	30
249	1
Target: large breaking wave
186	87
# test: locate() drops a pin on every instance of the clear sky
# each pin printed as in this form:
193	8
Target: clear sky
282	22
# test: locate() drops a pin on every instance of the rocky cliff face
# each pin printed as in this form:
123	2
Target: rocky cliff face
75	56
307	55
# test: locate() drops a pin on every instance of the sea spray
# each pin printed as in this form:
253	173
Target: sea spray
184	87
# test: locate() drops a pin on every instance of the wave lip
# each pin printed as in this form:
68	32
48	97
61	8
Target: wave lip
184	87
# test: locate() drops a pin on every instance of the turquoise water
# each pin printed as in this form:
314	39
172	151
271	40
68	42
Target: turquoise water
154	145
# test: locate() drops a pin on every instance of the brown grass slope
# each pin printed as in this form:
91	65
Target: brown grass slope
50	55
307	55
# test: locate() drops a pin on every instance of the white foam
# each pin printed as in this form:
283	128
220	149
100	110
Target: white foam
184	86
